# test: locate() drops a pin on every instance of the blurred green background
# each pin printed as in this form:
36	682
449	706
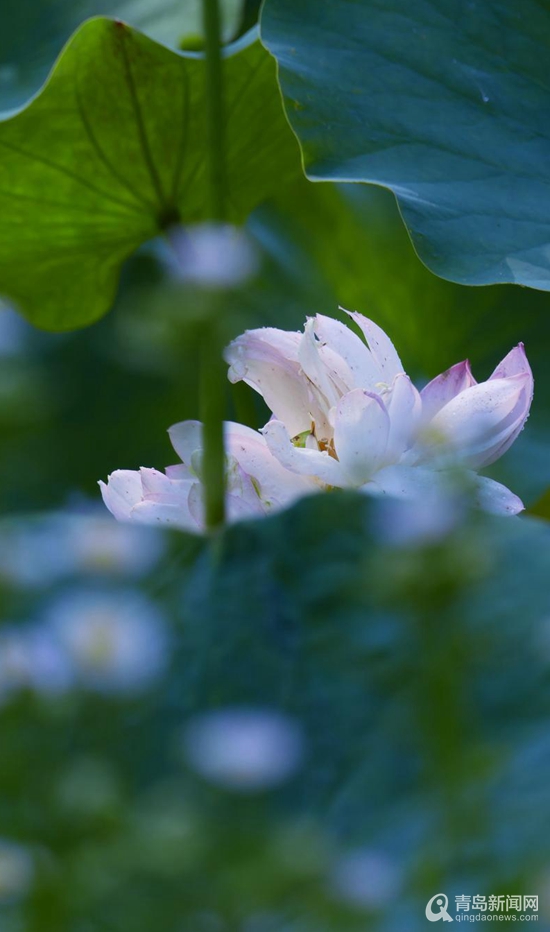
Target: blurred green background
315	725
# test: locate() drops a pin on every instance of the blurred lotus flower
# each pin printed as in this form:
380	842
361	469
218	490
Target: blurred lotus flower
112	642
115	641
244	749
31	659
33	553
211	255
40	551
16	871
366	878
346	414
256	482
419	520
98	545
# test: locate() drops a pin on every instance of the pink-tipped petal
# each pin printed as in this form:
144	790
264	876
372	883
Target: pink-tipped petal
480	424
122	492
515	363
383	351
441	390
361	431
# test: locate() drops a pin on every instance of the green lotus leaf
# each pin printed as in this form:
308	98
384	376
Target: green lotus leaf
34	32
444	103
112	151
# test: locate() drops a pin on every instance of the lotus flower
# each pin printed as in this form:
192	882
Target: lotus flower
346	414
256	483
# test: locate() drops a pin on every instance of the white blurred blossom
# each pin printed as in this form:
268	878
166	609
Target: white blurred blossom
100	546
31	659
420	519
366	878
116	641
33	553
244	749
212	255
16	870
42	550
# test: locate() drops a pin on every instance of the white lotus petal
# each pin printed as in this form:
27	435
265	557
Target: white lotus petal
179	471
404	408
315	368
186	438
122	491
437	393
481	422
267	360
242	502
164	513
496	498
514	363
196	504
381	347
239	507
403	481
276	485
285	342
361	431
158	487
360	369
303	461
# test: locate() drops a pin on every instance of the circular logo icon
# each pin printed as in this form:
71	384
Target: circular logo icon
437	908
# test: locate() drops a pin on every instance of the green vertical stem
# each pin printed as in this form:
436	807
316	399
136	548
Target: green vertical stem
212	378
215	109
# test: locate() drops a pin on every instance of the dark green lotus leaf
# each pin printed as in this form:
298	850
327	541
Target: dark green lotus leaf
112	151
416	681
445	103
